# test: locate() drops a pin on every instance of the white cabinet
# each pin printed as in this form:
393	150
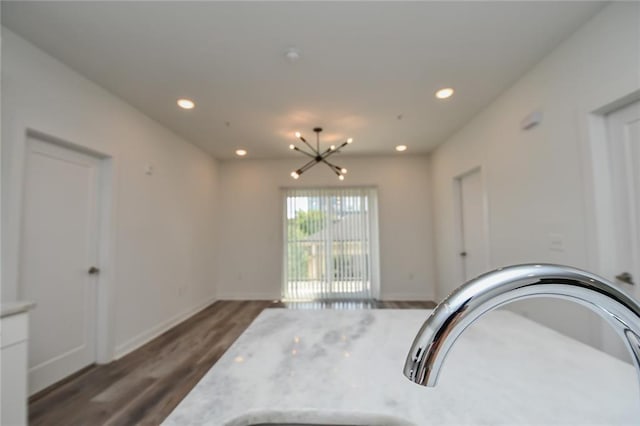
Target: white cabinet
14	329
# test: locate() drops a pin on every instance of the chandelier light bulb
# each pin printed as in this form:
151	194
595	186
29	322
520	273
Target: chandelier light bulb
295	175
332	147
298	135
349	140
340	177
343	171
292	146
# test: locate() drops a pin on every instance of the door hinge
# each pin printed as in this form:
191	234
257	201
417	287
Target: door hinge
625	277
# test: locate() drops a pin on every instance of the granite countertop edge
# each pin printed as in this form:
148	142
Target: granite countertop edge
8	309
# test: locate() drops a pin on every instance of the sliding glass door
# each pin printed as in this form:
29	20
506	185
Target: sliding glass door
330	244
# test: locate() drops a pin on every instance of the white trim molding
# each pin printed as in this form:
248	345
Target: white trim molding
150	334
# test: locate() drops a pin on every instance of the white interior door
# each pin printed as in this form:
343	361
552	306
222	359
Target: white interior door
623	145
58	247
473	222
623	128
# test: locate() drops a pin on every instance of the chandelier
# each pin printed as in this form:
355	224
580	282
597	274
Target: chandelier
318	156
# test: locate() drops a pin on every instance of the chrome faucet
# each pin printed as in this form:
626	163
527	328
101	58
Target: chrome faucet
494	289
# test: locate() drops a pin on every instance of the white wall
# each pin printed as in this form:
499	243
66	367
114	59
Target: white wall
163	238
251	256
537	179
165	235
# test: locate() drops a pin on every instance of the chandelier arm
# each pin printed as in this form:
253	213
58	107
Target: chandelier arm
309	145
329	154
331	165
304	152
325	153
333	151
306	167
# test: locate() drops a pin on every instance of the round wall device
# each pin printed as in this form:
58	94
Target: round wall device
292	54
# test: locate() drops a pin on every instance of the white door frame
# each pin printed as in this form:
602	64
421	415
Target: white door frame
598	181
599	203
458	232
12	224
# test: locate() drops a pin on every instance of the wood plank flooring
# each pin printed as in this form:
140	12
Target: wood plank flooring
144	386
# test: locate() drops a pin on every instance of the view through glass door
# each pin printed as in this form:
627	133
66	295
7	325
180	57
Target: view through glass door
331	244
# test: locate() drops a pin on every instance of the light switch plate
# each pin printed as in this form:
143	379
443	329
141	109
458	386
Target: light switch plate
556	242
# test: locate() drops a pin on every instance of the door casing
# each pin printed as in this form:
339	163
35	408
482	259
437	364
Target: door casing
20	131
599	205
460	232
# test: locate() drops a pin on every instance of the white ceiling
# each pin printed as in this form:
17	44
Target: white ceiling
362	64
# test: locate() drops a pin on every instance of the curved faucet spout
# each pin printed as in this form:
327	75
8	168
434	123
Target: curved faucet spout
494	289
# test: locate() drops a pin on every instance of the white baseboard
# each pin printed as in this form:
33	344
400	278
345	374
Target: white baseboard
407	297
248	296
145	337
399	297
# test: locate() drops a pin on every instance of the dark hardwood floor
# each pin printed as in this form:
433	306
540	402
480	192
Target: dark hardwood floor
144	386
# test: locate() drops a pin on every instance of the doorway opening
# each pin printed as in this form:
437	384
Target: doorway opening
623	136
614	184
63	247
472	218
330	244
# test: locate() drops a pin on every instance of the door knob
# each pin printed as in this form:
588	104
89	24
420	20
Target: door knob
625	277
463	254
93	270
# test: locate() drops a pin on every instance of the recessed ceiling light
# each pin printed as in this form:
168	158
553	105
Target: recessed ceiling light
241	152
401	148
444	93
185	103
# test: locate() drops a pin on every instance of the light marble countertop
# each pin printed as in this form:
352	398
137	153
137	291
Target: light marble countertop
345	367
13	308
